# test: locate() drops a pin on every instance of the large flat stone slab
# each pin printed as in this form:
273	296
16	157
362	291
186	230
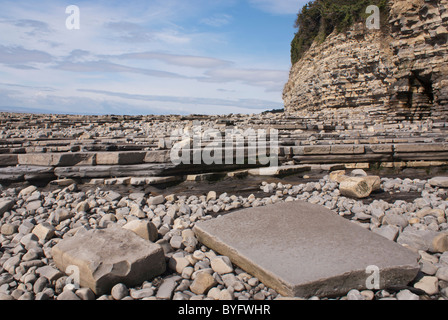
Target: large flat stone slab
303	250
110	256
56	159
421	147
20	173
106	171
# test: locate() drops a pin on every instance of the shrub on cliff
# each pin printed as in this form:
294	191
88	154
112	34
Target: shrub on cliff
319	18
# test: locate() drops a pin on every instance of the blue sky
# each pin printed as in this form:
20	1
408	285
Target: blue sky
146	57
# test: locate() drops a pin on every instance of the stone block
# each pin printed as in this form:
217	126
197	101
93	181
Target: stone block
106	171
356	187
44	231
56	159
380	148
312	150
421	147
355	149
7	160
304	250
120	158
20	173
108	257
162	156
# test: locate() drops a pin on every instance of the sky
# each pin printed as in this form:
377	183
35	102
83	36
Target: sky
141	57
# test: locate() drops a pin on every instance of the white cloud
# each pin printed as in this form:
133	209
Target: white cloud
270	80
217	20
168	54
48	89
109	67
176	59
171	36
240	103
11	55
34	27
129	32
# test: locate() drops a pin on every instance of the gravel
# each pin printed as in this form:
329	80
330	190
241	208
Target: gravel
35	220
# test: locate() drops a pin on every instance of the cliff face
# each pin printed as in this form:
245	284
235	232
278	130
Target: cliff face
400	71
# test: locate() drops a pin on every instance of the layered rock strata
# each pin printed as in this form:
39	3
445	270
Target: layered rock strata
398	72
137	150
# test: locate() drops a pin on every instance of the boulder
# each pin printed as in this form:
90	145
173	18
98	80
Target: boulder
8	229
62	214
338	176
49	273
374	181
5	205
178	264
441	182
108	257
143	229
428	284
222	265
156	200
202	283
426	240
356	187
388	231
137	211
44	231
439	243
358	173
25	192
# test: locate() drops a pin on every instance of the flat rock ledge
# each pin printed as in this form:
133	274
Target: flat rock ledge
110	256
302	250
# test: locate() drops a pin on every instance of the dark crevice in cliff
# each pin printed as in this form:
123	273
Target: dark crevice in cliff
427	87
420	96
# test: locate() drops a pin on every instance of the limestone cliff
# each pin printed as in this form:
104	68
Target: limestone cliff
400	71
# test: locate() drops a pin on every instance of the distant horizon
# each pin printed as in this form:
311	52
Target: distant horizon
145	57
19	110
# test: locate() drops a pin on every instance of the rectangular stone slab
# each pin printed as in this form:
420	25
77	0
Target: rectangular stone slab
7	160
20	173
138	170
120	158
304	250
56	159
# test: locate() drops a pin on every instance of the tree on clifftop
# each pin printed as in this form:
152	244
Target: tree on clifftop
319	18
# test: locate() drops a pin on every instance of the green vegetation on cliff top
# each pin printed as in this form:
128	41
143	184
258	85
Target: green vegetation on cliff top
319	18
